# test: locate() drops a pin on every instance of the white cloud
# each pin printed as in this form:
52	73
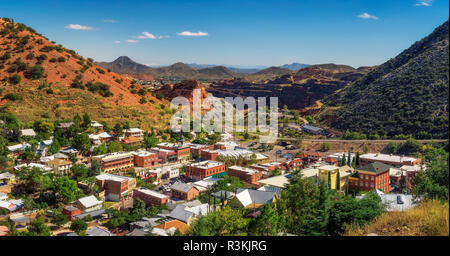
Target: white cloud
146	35
79	27
110	21
424	3
117	42
188	33
132	41
367	16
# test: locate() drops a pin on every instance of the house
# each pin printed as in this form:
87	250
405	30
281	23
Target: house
43	147
19	220
97	231
329	174
201	170
116	187
145	159
266	168
171	173
115	162
131	141
88	203
103	137
279	181
60	166
150	197
312	129
250	198
369	177
294	164
11	205
248	175
177	224
135	132
70	211
188	214
331	161
66	125
6	178
144	223
393	160
96	124
18	147
184	191
27	133
96	215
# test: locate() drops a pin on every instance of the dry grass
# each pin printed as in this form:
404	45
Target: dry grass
430	218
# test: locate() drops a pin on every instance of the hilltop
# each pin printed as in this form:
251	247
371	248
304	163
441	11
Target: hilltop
44	80
408	94
178	71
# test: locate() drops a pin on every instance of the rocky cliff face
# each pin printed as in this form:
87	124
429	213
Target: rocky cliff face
184	89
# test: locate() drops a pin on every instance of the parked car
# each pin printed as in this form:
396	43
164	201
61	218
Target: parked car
279	152
252	144
399	200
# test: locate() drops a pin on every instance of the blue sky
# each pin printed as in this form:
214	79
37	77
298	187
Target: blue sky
356	33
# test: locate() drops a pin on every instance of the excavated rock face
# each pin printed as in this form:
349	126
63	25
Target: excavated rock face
185	89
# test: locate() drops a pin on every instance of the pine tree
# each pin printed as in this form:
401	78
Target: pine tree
338	181
329	180
349	160
357	161
343	162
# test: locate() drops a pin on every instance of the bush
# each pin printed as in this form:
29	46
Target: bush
15	79
11	97
61	59
35	72
101	71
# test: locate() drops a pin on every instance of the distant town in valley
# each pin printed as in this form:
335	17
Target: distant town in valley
86	146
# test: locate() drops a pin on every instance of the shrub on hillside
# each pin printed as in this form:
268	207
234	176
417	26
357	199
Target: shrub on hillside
15	79
35	72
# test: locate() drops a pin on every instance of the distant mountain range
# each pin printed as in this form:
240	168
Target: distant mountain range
208	72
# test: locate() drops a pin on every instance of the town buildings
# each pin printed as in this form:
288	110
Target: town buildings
117	188
150	197
115	162
201	170
60	166
372	176
184	191
182	150
248	175
393	160
145	159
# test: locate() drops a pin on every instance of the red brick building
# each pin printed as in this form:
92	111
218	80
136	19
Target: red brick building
184	191
145	159
70	211
150	197
183	151
371	176
201	170
209	154
248	175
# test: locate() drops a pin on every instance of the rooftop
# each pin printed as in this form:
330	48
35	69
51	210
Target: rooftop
207	164
388	158
113	177
375	167
243	169
152	193
279	181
